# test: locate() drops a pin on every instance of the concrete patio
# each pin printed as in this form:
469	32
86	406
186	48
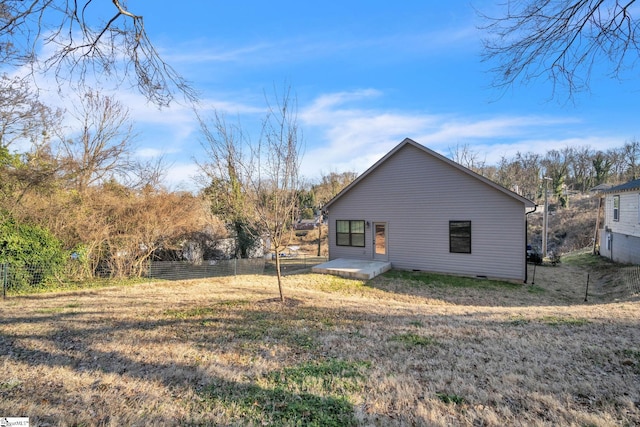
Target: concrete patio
353	268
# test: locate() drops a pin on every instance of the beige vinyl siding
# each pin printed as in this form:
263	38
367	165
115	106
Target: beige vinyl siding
417	195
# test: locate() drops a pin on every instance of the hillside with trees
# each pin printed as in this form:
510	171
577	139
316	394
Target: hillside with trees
569	175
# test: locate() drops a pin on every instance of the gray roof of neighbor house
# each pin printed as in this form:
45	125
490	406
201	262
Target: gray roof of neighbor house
601	187
408	141
627	186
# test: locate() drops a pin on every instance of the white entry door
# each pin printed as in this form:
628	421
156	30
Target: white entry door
380	248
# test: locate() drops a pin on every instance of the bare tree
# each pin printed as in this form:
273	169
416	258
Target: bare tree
22	115
465	156
80	44
277	181
26	126
261	179
631	158
225	171
102	147
582	168
561	40
330	185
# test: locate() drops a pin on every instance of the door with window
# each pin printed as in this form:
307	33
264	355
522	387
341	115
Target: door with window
380	247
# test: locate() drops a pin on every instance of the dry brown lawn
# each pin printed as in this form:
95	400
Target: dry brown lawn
403	349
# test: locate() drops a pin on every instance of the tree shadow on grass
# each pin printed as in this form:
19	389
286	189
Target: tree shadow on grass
295	346
68	341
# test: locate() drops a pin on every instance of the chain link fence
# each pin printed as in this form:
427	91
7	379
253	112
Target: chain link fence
184	270
632	279
14	278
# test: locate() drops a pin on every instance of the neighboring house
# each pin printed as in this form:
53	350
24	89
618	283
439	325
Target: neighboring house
620	237
421	211
600	188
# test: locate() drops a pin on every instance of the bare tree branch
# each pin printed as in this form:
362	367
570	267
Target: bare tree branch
77	45
563	41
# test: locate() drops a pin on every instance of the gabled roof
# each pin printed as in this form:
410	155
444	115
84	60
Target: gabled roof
627	186
408	141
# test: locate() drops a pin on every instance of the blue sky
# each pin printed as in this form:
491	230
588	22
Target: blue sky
366	75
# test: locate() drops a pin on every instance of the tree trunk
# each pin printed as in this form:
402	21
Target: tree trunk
278	273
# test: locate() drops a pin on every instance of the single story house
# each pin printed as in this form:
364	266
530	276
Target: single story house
422	211
620	237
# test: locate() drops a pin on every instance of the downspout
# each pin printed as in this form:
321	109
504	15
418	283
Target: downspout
526	241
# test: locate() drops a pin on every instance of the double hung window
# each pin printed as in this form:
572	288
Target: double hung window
350	233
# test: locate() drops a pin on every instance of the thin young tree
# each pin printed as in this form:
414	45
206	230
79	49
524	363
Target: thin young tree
262	180
276	181
562	41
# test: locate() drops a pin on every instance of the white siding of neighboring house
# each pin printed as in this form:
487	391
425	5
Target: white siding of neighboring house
417	195
620	240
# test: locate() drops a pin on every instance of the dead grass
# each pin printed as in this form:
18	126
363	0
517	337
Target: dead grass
393	351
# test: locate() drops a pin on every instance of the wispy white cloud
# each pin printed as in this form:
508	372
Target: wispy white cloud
348	137
322	45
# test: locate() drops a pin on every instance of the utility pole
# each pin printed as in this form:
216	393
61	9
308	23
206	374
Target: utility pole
545	219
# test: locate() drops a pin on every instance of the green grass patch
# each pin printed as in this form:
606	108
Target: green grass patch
309	394
563	320
334	375
234	303
535	289
413	340
191	312
10	384
586	259
449	281
518	321
342	285
449	398
62	309
204	311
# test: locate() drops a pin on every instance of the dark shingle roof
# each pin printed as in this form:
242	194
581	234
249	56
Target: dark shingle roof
628	186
